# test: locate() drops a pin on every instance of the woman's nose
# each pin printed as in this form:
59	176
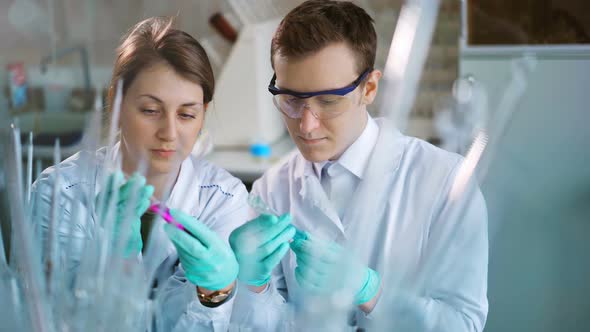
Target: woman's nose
167	130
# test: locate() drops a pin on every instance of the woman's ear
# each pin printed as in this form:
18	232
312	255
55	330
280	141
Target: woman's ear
205	106
371	87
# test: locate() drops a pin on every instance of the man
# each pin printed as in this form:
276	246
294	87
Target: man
423	267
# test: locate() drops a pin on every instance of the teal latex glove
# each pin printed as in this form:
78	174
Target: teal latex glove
207	260
133	191
325	267
259	245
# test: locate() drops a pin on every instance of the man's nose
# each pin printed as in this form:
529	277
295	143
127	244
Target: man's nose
308	121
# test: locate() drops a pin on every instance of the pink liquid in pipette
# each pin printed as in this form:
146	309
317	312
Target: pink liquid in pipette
164	212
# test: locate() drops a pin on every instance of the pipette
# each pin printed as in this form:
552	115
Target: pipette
261	207
163	211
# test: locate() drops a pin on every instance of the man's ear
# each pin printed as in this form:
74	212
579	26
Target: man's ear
371	87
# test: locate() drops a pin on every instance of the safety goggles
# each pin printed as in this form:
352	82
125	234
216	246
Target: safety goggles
322	104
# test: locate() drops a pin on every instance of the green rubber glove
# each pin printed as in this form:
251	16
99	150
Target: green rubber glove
259	245
133	191
207	260
325	267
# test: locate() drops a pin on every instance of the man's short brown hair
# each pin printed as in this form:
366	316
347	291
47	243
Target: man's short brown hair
315	24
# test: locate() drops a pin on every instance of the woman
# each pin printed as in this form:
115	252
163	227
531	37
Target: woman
167	86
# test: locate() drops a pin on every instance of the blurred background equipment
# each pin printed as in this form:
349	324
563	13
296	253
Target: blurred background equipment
241	110
536	183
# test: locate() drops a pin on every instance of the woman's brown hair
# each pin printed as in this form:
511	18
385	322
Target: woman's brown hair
155	40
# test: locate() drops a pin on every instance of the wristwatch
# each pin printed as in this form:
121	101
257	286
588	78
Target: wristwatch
214	299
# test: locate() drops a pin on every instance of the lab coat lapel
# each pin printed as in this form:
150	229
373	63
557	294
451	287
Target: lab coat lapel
384	161
312	195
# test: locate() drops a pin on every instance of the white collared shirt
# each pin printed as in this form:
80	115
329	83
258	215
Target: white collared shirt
341	177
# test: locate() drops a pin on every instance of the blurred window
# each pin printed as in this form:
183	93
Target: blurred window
528	22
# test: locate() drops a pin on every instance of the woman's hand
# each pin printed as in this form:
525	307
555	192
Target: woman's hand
208	261
129	199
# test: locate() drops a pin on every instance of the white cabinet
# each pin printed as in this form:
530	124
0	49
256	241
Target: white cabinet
537	189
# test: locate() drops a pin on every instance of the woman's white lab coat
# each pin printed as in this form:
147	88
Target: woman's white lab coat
202	190
430	249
